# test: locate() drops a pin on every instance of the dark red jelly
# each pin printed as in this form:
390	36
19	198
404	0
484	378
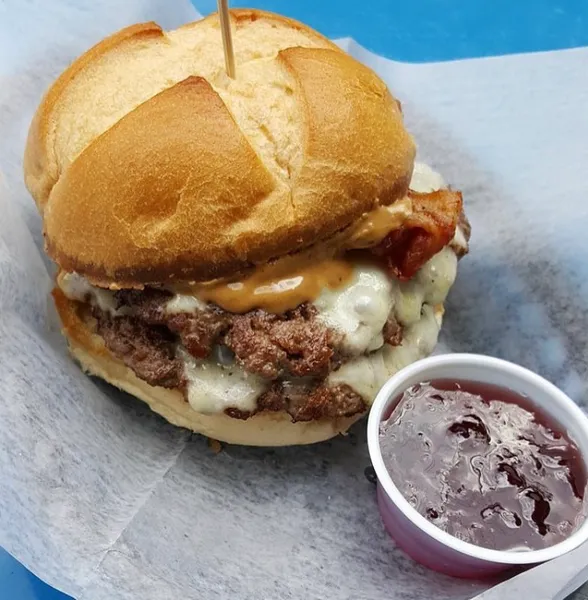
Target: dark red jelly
483	464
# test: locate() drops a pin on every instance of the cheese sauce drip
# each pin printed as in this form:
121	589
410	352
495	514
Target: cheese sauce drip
360	309
425	180
76	287
290	281
213	387
276	287
377	224
367	374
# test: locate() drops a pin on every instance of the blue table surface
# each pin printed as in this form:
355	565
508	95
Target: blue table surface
416	31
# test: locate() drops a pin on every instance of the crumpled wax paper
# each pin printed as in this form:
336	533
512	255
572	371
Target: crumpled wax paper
104	500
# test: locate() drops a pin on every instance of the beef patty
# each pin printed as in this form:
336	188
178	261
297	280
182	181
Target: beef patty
294	351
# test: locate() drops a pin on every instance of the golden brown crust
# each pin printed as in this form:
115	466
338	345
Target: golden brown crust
263	429
41	166
180	174
163	220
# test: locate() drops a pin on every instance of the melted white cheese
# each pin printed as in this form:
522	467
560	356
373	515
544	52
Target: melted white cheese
212	388
430	285
76	287
412	303
425	180
182	303
459	242
359	310
367	374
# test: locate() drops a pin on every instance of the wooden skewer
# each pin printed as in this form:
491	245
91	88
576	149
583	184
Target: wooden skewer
225	21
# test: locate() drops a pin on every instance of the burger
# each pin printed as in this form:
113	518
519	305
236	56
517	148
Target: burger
252	257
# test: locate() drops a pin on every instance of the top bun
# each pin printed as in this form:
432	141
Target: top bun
150	165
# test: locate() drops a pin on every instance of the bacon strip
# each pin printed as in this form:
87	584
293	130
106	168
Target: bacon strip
429	228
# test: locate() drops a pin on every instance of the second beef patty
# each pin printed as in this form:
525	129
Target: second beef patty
284	349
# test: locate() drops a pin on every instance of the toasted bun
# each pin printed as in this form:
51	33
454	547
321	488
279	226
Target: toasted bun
150	165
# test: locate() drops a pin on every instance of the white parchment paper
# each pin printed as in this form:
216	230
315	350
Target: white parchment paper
106	501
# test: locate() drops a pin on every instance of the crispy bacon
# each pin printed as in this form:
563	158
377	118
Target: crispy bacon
429	228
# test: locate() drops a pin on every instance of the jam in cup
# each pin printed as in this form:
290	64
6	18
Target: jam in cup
502	469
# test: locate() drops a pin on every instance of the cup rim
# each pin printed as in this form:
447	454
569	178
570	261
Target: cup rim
396	385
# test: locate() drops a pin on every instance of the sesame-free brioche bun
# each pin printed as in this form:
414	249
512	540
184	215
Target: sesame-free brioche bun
150	165
262	429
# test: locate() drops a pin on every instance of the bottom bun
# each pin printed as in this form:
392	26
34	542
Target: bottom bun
262	429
